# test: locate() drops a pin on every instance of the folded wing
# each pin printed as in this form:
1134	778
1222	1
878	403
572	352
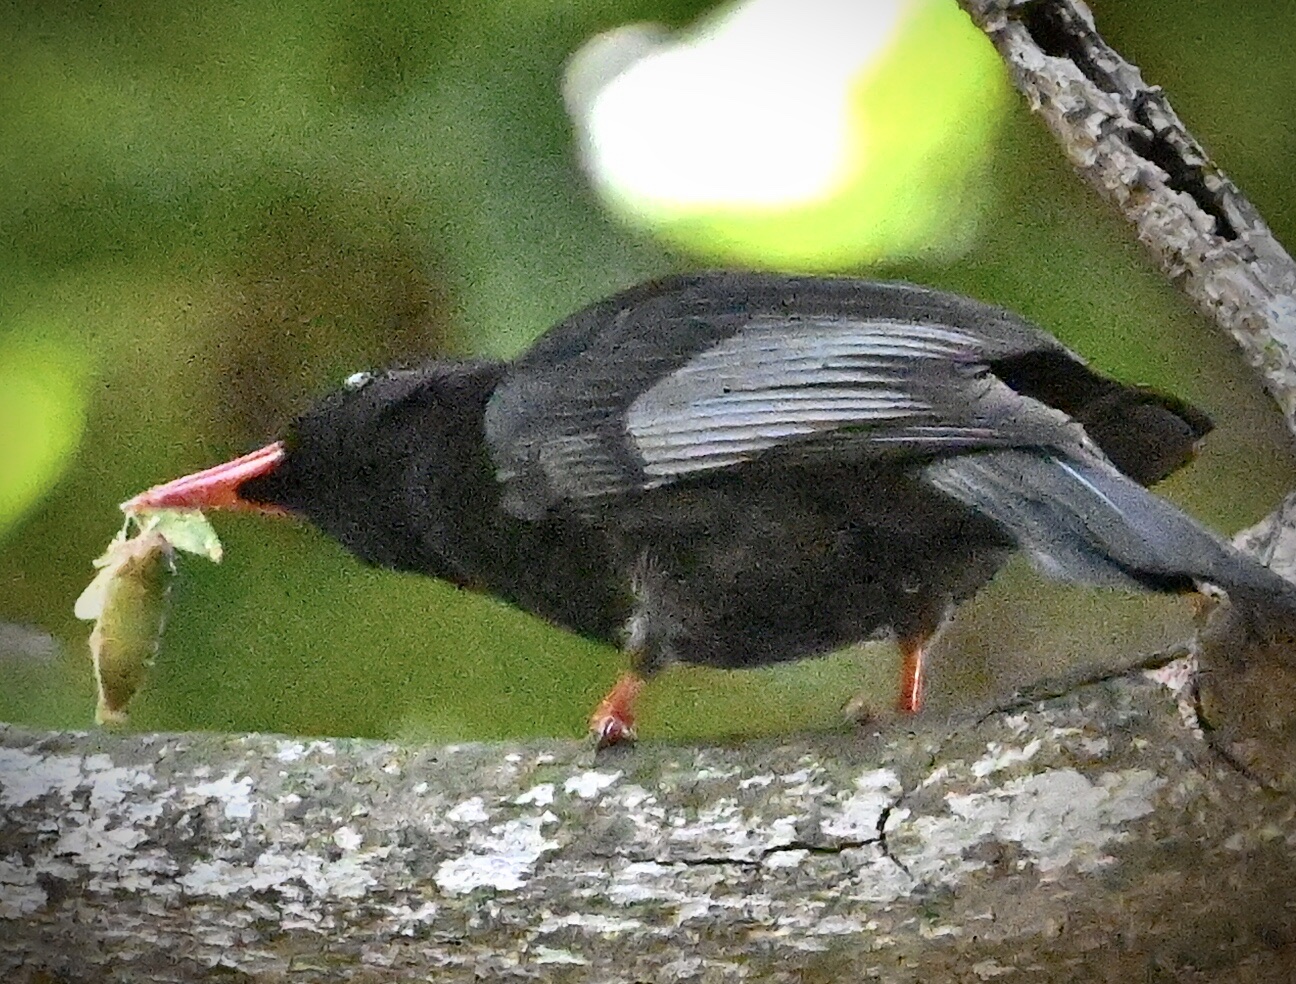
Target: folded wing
698	375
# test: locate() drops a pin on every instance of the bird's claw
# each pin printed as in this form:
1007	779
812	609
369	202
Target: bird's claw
612	722
610	728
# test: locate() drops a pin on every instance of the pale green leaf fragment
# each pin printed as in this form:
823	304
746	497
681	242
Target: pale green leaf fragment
89	605
184	529
127	600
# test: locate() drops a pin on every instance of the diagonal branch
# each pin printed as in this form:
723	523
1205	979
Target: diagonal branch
1121	134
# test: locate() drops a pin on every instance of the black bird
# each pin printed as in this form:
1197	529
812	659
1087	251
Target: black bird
736	469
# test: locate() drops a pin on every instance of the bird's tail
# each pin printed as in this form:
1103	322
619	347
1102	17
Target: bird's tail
1079	519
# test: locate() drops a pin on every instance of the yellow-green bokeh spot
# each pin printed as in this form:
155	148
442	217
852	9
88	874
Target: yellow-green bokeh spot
923	117
43	405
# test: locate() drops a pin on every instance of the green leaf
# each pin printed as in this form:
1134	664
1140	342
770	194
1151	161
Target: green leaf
127	600
184	529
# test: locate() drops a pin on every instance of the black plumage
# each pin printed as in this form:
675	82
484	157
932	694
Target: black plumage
735	469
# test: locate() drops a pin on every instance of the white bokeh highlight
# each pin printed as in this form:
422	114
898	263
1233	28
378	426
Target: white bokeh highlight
748	111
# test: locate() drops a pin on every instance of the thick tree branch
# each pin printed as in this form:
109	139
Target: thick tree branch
1095	837
1121	134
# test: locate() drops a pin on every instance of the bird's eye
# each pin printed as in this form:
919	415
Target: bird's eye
357	381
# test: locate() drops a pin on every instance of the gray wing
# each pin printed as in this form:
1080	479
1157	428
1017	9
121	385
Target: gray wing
827	386
634	395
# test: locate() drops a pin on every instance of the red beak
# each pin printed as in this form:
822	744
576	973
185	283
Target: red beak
213	488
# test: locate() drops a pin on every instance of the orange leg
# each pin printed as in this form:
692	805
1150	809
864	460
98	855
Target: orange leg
911	674
613	720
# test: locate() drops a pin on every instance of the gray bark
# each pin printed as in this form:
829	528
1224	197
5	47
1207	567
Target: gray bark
1098	835
1091	837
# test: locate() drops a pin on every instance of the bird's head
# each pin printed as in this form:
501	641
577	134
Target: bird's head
382	464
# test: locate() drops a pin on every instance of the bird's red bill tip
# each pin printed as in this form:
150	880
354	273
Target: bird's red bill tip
211	488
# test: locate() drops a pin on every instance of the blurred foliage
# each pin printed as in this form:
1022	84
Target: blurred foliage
212	212
43	406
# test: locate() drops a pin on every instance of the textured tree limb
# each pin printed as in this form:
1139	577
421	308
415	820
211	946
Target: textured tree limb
1094	837
1121	134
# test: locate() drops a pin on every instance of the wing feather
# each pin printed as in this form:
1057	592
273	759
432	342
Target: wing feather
704	374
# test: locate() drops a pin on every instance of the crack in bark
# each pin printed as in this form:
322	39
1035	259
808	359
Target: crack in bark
704	861
1214	742
1057	687
1150	129
1188	169
1060	32
881	841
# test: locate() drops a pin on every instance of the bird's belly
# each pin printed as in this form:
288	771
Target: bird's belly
746	579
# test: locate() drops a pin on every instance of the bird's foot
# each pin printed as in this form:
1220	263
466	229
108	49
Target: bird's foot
609	730
612	722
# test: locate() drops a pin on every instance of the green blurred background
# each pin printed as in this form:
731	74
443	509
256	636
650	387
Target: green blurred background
209	214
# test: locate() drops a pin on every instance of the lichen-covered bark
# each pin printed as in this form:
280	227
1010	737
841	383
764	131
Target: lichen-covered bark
1120	133
1092	837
